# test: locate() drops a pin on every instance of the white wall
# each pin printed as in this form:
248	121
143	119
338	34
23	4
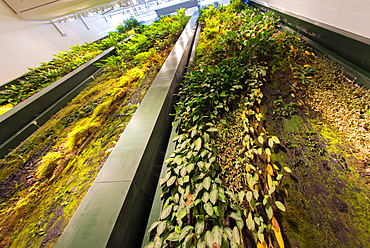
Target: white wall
350	15
25	44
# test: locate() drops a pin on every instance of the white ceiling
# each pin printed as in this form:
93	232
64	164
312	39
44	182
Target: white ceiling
50	9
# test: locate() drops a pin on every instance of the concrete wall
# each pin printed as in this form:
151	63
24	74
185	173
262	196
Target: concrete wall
350	15
25	44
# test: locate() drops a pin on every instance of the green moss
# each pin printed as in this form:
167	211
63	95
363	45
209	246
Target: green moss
48	164
293	125
327	203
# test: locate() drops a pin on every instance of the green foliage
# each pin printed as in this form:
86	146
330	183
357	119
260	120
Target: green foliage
284	110
129	24
201	207
64	155
149	40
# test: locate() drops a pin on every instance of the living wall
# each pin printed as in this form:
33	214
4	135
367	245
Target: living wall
254	165
44	179
63	63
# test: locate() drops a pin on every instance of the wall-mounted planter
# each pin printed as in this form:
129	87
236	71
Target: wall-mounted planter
21	121
158	202
115	210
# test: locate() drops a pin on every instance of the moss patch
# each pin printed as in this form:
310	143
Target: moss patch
328	201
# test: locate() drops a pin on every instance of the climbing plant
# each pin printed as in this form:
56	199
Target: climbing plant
221	186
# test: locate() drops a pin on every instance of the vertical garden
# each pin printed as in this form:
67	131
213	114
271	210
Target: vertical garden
272	144
43	180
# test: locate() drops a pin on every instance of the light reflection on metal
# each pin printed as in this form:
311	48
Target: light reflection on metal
83	21
58	29
106	9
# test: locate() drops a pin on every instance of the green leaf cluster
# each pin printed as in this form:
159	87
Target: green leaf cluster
152	38
202	207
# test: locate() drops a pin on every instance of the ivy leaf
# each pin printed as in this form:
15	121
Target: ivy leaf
190	167
212	129
165	178
272	190
271	142
213	196
268	151
199	227
269	211
171	181
260	139
261	237
186	178
258	220
185	231
174	236
166	211
228	232
180	181
181	214
207	183
236	216
205	197
249	221
161	227
208	208
169	160
203	153
238	86
187	240
249	196
231	195
201	244
206	138
269	180
275	139
218	212
154	225
158	241
259	151
222	197
280	206
178	160
255	194
193	131
240	224
209	239
217	236
198	144
236	236
241	196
